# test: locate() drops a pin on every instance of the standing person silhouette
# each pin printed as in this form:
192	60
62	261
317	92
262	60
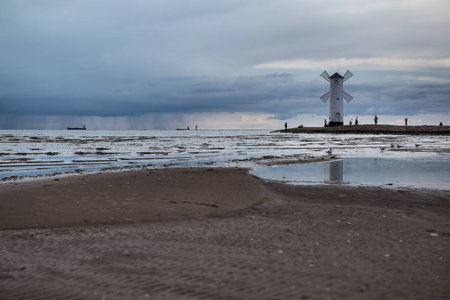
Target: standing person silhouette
375	119
406	121
285	126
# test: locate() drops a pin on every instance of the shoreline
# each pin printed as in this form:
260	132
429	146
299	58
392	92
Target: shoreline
147	195
374	129
220	233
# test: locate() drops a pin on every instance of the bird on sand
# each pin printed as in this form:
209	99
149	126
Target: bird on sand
382	148
329	151
399	146
392	145
417	145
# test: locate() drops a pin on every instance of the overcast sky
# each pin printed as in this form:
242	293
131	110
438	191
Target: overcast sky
162	64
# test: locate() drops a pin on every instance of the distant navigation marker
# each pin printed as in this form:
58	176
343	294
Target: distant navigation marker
336	96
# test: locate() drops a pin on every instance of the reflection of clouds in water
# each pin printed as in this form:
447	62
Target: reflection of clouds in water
46	152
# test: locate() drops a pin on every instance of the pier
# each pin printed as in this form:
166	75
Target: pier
373	129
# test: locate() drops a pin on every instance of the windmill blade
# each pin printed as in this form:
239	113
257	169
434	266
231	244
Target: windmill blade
347	75
325	97
325	76
347	97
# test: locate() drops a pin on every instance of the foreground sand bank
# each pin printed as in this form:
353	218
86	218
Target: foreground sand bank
126	197
220	233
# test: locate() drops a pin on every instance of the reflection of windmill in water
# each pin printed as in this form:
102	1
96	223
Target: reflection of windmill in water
337	171
336	96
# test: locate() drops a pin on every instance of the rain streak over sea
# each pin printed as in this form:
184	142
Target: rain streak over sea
407	161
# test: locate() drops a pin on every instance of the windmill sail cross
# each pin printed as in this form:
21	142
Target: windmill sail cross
325	76
347	96
325	97
347	75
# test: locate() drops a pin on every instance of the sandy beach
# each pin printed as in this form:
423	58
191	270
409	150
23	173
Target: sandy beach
219	233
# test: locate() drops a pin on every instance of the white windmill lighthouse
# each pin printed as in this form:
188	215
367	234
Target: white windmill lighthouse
336	96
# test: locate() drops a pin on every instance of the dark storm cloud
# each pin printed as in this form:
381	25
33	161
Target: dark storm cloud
400	98
279	94
245	93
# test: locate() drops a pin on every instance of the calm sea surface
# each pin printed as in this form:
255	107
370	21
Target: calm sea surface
418	161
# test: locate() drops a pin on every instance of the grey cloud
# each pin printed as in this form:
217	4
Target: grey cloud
204	37
116	58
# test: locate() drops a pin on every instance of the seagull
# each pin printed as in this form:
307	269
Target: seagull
392	145
417	145
382	148
329	151
399	146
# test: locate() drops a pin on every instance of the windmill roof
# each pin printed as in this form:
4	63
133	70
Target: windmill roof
336	75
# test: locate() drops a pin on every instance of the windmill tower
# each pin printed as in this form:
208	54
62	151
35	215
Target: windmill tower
336	96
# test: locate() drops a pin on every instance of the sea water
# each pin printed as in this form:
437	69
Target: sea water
358	158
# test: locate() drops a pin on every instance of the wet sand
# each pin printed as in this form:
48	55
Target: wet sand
219	234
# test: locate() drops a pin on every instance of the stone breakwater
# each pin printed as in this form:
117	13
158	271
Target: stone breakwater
374	129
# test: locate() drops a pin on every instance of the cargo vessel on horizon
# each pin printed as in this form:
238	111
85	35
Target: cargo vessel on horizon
77	128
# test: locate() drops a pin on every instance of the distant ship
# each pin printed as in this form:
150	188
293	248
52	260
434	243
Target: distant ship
184	128
77	128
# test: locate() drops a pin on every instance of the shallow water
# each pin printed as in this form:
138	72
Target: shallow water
430	172
49	152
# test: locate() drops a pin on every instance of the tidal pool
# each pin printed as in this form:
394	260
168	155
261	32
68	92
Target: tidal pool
424	172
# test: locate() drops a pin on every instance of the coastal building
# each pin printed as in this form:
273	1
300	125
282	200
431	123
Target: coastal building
336	96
